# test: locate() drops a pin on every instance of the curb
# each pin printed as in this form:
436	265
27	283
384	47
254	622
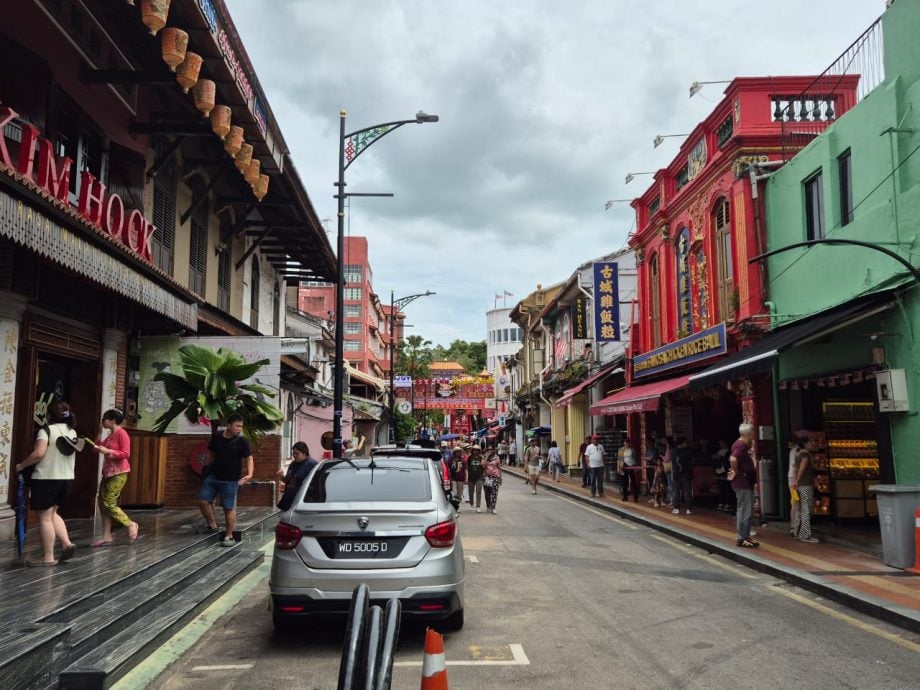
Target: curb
900	616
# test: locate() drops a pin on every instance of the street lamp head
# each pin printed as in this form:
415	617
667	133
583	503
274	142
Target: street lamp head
659	140
630	177
421	116
695	88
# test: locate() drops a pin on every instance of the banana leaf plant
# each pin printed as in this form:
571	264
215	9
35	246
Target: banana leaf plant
209	389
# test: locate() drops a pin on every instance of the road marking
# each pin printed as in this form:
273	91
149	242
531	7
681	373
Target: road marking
518	658
855	622
172	650
692	551
602	514
223	667
472	559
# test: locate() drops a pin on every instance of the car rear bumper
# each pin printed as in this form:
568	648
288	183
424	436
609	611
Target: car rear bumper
432	605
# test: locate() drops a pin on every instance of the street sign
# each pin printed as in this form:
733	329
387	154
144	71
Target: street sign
405	407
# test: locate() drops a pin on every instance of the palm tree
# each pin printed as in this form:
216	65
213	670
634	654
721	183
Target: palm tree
209	389
414	357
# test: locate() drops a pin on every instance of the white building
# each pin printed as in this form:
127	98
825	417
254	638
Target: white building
503	340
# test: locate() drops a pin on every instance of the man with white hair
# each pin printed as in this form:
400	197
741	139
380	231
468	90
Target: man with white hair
743	476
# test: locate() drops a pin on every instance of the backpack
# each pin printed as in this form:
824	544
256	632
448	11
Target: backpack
474	468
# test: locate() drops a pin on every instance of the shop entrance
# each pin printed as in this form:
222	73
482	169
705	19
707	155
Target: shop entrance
60	368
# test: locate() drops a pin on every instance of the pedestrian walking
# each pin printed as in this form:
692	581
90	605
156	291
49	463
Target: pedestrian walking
492	481
743	476
227	452
795	446
512	452
116	448
296	474
503	452
595	454
533	461
554	456
458	474
669	466
52	457
804	482
651	462
474	474
720	467
585	468
659	483
682	470
627	469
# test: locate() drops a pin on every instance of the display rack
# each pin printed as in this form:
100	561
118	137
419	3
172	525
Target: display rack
852	464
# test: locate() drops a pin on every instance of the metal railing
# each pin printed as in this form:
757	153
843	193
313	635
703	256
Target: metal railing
370	643
848	79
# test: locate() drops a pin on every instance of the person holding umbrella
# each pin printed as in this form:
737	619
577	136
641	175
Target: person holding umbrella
53	458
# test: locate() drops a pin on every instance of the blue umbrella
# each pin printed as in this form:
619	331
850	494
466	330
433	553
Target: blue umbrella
20	513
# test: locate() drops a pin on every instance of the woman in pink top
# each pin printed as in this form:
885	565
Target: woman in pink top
116	448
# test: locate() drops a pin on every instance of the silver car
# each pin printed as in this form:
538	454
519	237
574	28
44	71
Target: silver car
385	521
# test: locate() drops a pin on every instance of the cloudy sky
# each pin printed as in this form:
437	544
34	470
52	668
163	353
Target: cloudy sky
545	106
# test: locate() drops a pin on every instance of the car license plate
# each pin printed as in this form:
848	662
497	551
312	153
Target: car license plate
364	548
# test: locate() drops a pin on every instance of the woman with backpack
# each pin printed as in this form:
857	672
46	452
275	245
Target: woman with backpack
554	455
492	481
53	458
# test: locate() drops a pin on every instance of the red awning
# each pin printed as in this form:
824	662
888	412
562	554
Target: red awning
645	398
567	396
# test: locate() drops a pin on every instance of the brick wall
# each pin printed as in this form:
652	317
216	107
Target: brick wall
182	483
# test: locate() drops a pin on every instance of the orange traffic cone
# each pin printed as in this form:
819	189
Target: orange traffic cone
916	569
434	667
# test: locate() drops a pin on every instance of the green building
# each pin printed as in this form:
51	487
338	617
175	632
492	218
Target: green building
856	310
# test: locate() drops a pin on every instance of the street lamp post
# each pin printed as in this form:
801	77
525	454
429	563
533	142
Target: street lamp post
396	306
350	147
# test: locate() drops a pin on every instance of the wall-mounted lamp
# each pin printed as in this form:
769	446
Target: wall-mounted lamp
659	138
631	176
697	86
611	202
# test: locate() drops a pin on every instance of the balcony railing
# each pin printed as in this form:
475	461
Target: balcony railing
848	79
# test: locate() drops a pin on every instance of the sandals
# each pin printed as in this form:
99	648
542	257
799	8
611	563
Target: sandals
68	553
747	543
41	564
101	543
133	532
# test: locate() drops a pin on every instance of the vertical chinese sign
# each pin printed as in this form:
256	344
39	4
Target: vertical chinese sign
580	317
606	302
9	342
684	296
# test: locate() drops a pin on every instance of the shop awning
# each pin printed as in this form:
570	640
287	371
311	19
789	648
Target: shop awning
567	396
645	398
760	356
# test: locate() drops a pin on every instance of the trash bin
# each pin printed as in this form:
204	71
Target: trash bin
768	490
897	504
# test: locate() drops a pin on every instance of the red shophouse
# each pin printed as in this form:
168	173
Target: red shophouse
699	299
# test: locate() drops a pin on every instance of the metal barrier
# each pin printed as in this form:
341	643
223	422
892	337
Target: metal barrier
370	643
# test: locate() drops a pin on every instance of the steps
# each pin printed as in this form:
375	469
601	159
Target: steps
84	625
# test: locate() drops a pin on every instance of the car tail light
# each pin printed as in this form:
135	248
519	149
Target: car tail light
287	536
432	607
442	534
292	609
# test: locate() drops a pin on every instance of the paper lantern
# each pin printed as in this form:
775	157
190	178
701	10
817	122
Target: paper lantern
187	72
234	140
153	14
220	120
243	157
260	188
204	92
173	46
252	171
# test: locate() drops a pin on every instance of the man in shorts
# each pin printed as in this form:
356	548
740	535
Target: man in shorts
224	465
533	462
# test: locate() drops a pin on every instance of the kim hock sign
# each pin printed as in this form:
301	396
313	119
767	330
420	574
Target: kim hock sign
606	302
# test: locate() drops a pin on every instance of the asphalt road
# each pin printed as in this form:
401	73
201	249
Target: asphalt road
560	595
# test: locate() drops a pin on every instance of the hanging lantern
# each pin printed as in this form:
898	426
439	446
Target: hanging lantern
173	46
243	157
154	13
187	72
234	140
220	120
203	92
260	188
252	171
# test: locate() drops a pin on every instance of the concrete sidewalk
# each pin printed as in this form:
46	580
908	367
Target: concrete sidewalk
849	576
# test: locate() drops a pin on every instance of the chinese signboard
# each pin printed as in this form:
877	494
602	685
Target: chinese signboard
580	317
449	394
9	344
684	295
606	302
702	345
402	382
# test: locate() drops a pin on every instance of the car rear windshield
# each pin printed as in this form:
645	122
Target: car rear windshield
390	480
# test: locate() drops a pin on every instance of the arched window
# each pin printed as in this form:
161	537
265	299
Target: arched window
254	280
655	298
725	284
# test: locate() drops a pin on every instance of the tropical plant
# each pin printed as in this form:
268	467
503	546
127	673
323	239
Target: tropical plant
209	388
414	357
